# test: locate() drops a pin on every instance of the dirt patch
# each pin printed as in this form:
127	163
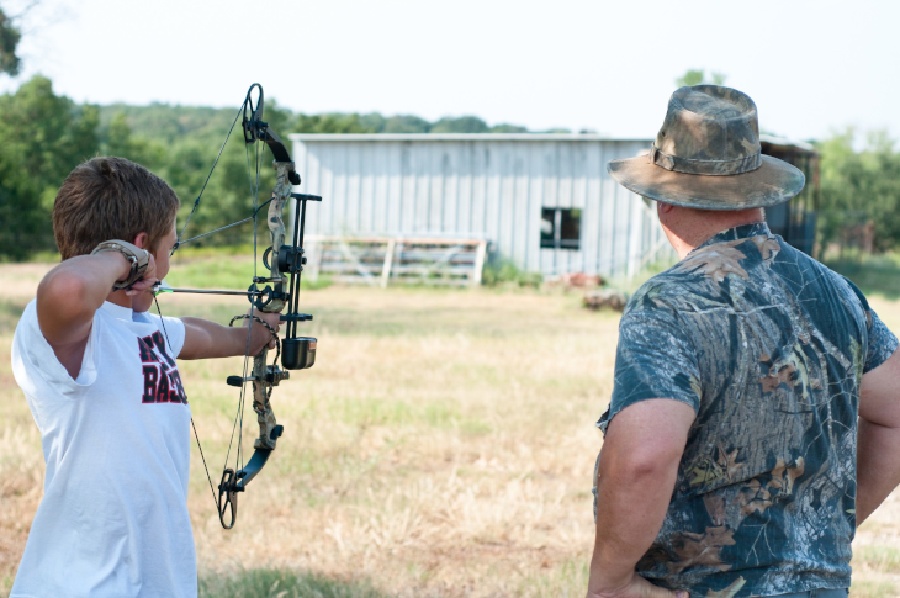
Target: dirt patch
20	281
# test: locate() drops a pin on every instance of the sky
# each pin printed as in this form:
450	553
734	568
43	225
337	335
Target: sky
814	68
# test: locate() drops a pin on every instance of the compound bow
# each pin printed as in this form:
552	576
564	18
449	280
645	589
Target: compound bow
273	292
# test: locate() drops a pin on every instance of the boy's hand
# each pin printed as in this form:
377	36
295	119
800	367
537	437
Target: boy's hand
146	282
262	335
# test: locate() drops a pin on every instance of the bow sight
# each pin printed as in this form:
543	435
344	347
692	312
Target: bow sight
297	353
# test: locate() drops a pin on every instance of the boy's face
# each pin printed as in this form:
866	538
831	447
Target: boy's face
164	252
161	255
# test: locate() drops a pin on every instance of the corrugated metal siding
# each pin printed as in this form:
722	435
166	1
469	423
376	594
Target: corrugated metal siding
481	186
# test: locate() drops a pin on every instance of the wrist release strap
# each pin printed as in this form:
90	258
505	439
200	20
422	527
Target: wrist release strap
137	257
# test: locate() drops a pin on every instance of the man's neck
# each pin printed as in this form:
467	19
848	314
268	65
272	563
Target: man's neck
688	228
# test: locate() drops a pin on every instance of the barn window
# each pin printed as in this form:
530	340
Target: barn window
561	228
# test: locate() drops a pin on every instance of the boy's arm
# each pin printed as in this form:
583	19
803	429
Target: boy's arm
204	339
878	459
70	294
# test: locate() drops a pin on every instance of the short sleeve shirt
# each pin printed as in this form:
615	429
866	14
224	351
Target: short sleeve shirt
113	519
769	348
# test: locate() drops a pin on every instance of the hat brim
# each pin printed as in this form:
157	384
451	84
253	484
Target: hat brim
774	182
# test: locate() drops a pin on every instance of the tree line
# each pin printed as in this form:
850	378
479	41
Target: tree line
48	134
45	135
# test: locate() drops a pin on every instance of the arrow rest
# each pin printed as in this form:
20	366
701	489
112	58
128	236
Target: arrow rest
263	298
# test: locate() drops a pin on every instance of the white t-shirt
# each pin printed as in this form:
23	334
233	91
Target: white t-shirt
113	520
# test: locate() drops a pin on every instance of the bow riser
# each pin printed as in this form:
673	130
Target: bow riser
268	376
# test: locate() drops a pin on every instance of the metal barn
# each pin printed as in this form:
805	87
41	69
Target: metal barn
795	220
542	201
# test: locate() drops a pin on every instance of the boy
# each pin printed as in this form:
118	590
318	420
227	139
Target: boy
103	386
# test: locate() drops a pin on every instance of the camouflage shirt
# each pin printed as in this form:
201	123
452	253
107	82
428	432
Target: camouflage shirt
768	346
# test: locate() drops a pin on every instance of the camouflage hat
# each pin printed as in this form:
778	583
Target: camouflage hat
707	155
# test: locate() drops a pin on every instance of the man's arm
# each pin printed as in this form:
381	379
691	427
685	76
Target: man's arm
638	467
878	459
204	339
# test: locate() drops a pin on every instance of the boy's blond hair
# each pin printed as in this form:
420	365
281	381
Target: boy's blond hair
111	198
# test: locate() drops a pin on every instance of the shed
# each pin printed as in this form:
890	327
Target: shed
795	220
543	202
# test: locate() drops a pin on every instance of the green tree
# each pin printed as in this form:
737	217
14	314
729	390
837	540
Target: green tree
45	136
118	140
406	123
860	187
507	128
224	192
461	124
332	123
9	44
698	77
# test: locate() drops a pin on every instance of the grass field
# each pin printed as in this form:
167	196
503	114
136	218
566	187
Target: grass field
442	445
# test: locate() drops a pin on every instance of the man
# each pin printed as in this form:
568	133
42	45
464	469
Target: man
755	416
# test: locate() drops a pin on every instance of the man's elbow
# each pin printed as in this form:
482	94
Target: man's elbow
648	464
648	438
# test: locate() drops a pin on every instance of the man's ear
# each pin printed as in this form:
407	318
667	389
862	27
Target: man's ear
142	240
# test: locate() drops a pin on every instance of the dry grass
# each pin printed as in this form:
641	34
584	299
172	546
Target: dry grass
441	446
